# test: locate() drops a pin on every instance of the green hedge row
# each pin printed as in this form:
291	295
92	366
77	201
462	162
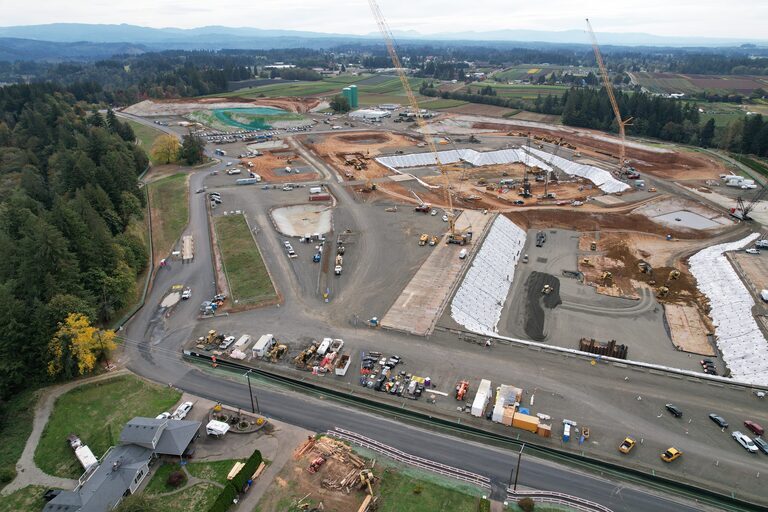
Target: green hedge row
237	484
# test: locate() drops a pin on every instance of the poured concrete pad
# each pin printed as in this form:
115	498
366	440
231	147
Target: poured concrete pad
171	299
686	219
303	219
687	330
422	301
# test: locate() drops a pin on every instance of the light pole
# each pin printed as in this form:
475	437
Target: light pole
517	471
250	393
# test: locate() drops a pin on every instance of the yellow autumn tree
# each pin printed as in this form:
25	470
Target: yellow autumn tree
76	346
166	149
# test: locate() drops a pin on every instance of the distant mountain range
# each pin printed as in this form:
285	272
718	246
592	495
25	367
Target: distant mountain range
28	42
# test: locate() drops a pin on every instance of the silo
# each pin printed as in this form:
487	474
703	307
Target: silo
354	101
347	93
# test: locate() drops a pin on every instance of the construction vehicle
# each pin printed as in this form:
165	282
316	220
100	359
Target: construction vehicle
621	123
674	274
627	445
742	210
314	466
662	292
339	259
586	262
644	267
454	236
305	356
593	246
547	289
422	206
461	390
423	239
366	479
607	278
434	240
276	352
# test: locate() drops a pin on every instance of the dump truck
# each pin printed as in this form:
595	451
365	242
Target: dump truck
627	445
342	365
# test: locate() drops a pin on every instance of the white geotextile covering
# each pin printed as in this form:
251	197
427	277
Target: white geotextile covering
476	158
479	300
602	178
739	338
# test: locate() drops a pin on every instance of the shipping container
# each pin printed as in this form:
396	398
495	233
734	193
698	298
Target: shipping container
525	422
320	197
263	345
545	430
247	181
315	190
482	398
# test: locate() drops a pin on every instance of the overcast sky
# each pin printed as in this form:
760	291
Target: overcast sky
709	18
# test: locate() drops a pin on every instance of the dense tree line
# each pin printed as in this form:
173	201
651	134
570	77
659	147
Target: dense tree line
308	75
69	193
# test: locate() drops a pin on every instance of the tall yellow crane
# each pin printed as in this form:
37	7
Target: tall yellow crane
609	89
454	235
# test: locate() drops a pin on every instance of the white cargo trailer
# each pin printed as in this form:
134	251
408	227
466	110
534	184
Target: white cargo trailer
263	345
482	398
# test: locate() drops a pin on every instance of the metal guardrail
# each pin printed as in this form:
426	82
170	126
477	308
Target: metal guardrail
558	498
413	460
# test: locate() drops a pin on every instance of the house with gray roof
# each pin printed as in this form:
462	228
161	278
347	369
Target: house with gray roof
123	468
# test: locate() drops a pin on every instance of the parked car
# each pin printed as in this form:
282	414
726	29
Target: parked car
744	441
671	454
163	416
752	250
761	444
181	412
186	294
719	420
754	427
675	410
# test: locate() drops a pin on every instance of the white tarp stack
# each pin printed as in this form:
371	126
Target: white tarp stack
476	158
599	177
505	396
739	338
479	300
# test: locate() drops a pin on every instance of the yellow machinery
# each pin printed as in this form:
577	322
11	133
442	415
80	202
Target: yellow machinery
423	239
622	123
674	274
644	267
276	352
607	278
586	262
663	292
454	236
366	479
593	246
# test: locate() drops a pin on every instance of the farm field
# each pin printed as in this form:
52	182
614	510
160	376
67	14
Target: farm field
523	92
528	71
668	83
723	113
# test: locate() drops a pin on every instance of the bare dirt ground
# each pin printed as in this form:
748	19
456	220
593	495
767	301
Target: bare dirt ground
688	329
295	482
660	162
271	167
480	110
539	118
189	105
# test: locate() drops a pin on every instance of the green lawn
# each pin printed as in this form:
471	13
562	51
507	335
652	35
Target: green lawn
27	498
170	207
248	278
215	471
400	492
157	485
753	164
145	136
196	497
96	413
16	417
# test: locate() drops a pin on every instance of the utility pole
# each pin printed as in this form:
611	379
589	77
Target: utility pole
517	471
250	393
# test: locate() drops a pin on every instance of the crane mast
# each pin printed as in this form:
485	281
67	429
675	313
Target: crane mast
622	123
425	128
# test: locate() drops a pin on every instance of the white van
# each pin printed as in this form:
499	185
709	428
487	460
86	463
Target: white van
463	254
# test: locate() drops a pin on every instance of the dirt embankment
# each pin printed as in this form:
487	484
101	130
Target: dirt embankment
667	164
596	221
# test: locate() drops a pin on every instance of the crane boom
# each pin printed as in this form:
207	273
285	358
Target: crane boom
622	123
381	22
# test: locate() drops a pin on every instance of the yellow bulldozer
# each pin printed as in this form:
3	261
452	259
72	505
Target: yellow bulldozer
366	479
607	278
662	292
674	274
276	352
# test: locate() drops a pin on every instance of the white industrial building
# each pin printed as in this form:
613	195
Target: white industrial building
369	114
